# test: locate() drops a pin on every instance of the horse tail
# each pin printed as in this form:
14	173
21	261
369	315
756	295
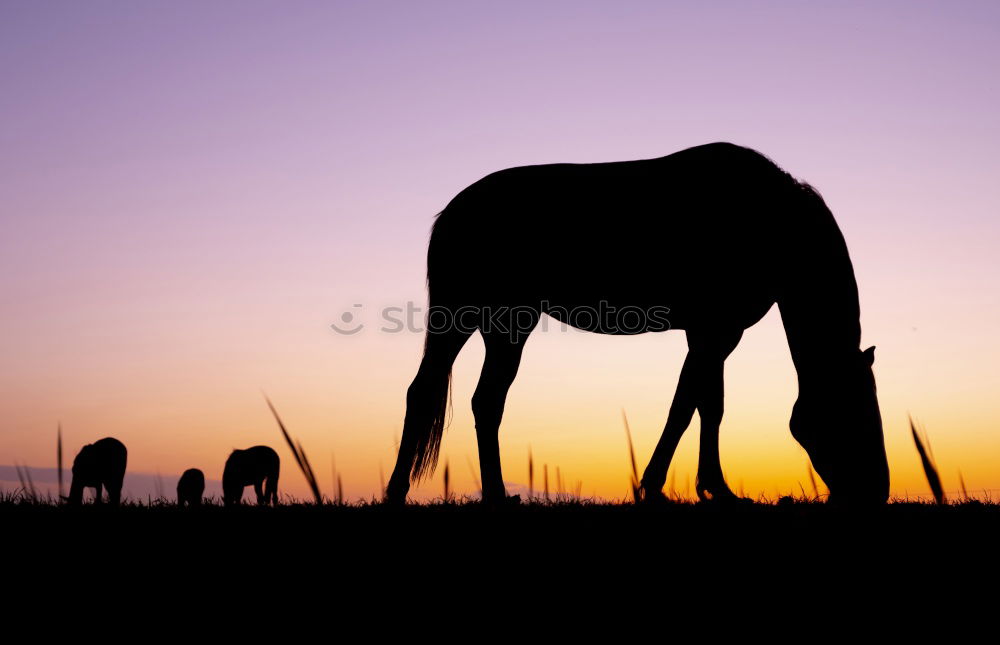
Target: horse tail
430	396
429	441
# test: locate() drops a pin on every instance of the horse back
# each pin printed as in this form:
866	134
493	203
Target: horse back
699	230
251	465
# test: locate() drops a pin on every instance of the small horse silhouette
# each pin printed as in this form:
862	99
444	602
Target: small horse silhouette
98	464
253	466
190	487
706	240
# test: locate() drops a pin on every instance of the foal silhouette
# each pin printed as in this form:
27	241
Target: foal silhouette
705	240
258	467
98	464
191	487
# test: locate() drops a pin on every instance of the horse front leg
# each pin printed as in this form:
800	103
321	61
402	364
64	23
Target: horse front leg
699	387
711	483
114	494
714	349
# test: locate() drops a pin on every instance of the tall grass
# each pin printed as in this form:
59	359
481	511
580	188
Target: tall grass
961	484
545	471
927	461
812	479
27	486
158	485
631	453
59	458
475	475
447	483
300	455
531	475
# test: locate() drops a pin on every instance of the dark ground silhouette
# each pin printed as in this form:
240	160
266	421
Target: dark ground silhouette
705	240
784	565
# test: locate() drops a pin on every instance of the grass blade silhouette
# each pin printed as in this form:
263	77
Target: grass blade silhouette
812	479
313	482
27	485
531	475
927	461
475	475
545	470
631	454
59	458
300	455
447	482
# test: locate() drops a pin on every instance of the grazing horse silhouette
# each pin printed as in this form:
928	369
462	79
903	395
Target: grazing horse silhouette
98	464
251	467
191	487
705	240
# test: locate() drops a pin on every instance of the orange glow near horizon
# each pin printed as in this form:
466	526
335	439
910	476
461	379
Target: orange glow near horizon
565	407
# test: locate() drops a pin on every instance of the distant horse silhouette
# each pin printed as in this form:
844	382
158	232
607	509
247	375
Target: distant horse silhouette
251	467
705	240
191	487
98	464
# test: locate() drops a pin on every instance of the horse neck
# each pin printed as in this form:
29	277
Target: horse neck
818	294
821	316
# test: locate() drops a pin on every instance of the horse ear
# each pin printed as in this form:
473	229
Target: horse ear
870	355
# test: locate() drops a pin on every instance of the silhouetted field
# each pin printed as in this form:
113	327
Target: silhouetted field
435	555
577	520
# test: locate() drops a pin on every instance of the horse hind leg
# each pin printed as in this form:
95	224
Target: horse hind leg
426	405
503	357
271	488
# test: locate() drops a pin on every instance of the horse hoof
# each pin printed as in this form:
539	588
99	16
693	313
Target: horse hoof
394	501
652	497
502	502
722	498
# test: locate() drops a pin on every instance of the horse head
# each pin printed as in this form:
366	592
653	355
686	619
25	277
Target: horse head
84	472
837	421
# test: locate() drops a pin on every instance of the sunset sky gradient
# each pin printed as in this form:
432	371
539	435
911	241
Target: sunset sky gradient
191	193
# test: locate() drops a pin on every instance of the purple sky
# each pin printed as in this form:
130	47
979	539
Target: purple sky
191	192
